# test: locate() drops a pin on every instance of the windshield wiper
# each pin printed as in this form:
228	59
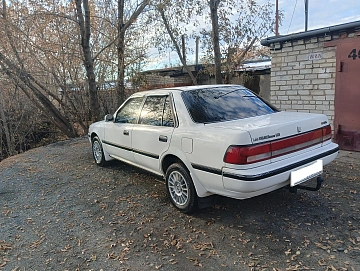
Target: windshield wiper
221	95
224	94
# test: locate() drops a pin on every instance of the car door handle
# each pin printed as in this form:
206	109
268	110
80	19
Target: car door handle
126	132
163	138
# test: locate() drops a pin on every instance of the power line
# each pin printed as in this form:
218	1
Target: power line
292	16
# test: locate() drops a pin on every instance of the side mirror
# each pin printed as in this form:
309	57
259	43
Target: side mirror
109	117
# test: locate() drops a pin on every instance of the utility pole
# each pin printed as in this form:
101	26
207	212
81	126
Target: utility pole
183	47
306	14
277	18
197	52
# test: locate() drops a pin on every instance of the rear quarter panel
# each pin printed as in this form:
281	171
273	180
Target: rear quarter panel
208	147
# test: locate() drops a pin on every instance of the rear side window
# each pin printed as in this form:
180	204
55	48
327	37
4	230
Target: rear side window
168	118
151	113
225	103
157	111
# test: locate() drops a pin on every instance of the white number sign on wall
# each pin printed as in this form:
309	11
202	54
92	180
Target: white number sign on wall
315	56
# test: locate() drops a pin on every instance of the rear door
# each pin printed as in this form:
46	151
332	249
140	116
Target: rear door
152	135
118	133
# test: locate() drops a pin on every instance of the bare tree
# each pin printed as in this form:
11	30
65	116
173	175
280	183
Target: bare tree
85	32
56	57
5	128
33	88
126	17
237	26
124	23
214	5
179	20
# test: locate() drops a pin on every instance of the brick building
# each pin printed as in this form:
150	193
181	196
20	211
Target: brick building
318	71
168	77
254	75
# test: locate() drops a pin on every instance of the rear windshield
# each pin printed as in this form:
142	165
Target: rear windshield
224	103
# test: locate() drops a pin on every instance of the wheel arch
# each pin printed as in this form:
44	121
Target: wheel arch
170	159
92	135
106	154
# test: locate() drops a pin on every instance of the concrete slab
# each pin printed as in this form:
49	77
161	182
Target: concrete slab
348	157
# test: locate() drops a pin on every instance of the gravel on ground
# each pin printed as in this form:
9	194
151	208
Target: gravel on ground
59	211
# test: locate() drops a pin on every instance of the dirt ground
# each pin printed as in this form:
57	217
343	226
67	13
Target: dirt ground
59	211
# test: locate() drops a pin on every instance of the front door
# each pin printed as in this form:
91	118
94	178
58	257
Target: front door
118	133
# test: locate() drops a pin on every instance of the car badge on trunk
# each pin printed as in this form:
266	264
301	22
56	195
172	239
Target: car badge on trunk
299	129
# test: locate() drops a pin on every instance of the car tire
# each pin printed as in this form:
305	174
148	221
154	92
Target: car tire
98	152
180	188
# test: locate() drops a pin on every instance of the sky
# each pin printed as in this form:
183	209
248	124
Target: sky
322	13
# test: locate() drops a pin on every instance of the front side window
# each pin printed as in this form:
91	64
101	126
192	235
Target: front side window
129	113
224	103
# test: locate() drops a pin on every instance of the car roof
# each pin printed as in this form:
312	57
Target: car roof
179	89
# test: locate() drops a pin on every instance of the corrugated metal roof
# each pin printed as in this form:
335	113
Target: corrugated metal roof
255	65
313	33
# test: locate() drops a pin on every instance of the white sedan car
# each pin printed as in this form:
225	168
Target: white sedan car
214	139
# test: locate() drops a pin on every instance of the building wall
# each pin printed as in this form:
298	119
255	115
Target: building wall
303	76
154	80
259	82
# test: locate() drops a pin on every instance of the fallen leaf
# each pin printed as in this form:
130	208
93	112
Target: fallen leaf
37	243
322	246
4	246
322	262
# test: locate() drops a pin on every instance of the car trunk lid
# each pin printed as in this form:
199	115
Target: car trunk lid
282	133
275	126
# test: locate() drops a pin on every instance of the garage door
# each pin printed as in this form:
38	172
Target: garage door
347	95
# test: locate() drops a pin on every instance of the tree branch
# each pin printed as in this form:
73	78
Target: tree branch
131	20
177	48
247	49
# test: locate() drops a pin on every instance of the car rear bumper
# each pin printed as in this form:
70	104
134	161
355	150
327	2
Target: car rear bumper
247	183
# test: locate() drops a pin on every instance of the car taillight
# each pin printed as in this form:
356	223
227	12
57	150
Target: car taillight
326	133
242	155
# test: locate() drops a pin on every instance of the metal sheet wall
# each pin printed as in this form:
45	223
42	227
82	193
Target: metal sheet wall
347	94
